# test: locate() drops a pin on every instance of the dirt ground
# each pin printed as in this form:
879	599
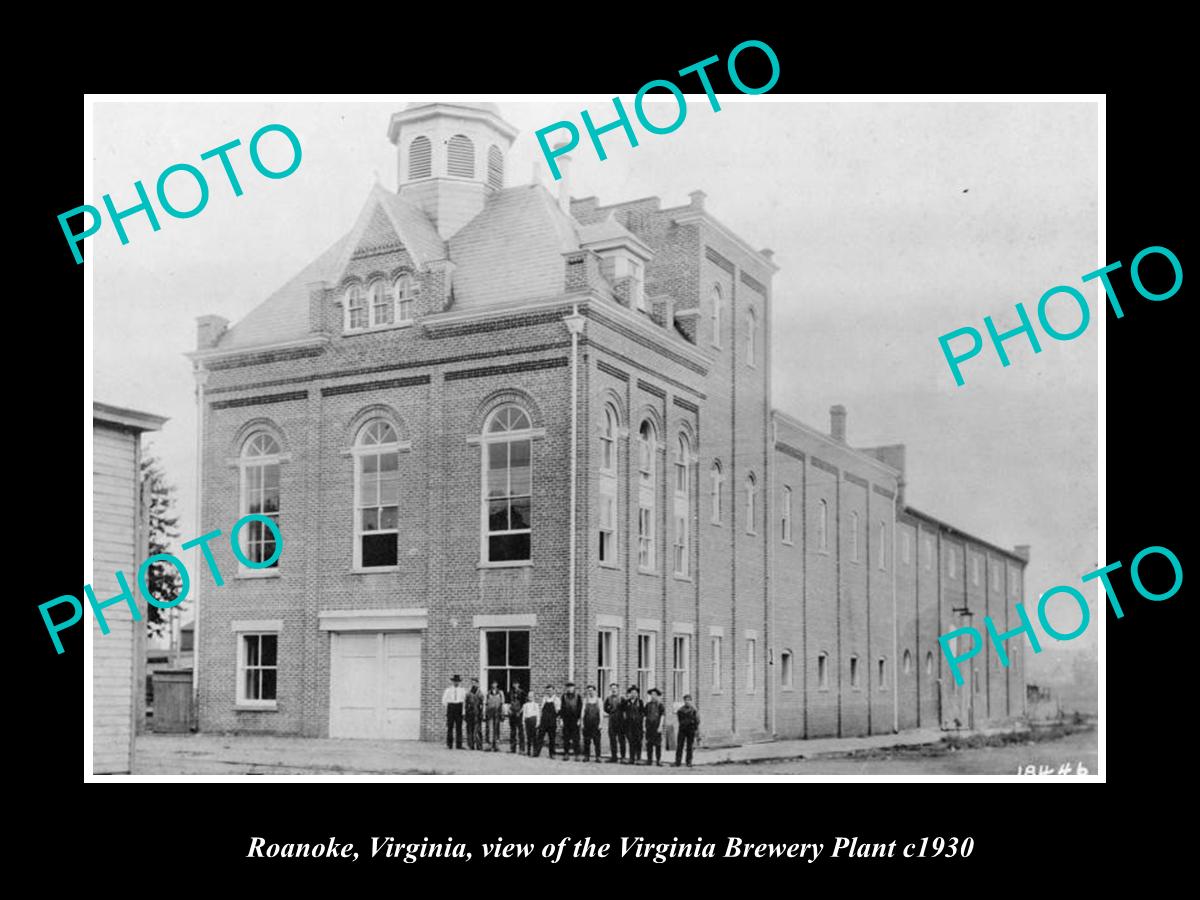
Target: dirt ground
1073	749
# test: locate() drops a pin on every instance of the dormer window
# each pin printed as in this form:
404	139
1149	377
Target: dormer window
380	304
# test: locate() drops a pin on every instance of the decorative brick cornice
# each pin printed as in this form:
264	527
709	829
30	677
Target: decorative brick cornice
486	371
651	389
259	400
789	450
883	492
855	479
337	389
824	466
754	283
686	404
717	259
612	370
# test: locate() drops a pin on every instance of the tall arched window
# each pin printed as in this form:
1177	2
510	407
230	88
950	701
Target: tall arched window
357	313
907	662
608	486
822	671
928	663
420	158
260	496
682	504
507	485
383	304
751	503
715	478
822	526
377	496
460	157
785	515
717	302
751	337
854	537
647	450
495	167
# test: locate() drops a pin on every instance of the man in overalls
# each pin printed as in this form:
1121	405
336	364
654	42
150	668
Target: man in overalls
632	713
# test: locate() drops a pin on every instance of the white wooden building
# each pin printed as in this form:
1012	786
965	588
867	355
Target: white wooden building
119	543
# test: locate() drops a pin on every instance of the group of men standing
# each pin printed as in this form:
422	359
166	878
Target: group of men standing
534	725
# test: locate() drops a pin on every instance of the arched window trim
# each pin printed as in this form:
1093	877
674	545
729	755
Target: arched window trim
681	490
500	428
608	543
418	156
907	658
881	673
855	671
928	662
377	437
460	157
823	671
787	669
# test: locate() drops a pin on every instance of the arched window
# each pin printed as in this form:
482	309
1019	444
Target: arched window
377	496
608	486
822	671
495	167
357	313
260	496
405	291
682	504
751	337
785	516
882	544
822	526
881	672
928	663
460	157
420	158
647	450
507	486
715	478
854	680
751	503
785	670
854	537
907	662
647	494
383	304
717	302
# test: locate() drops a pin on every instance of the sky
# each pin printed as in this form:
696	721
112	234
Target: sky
892	224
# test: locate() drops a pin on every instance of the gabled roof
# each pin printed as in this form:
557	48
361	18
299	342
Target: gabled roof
283	316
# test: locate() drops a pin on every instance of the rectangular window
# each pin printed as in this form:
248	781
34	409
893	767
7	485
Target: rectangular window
507	658
258	661
608	525
974	569
378	509
927	549
995	569
606	660
823	672
645	538
508	488
785	516
751	667
681	561
645	662
680	654
952	562
261	498
854	672
716	665
785	670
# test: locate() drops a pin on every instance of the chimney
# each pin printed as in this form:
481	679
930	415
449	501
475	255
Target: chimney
1022	550
564	183
209	330
837	423
768	253
697	198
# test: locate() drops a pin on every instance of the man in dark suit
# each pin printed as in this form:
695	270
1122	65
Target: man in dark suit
632	713
689	724
613	704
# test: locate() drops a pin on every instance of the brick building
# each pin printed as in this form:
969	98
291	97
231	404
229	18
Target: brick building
524	437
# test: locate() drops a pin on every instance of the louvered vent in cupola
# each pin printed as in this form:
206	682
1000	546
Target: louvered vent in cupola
495	168
460	157
420	158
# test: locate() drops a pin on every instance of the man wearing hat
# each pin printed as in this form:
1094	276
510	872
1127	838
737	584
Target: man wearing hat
453	697
689	724
516	717
569	710
548	723
591	724
613	704
631	713
474	714
655	711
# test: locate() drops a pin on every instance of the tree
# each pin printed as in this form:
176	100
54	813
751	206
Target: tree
162	579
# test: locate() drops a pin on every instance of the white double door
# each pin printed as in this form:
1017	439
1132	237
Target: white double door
375	685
